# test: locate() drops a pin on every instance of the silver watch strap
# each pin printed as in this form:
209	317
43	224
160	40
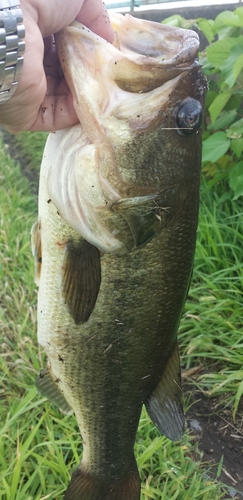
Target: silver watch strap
12	46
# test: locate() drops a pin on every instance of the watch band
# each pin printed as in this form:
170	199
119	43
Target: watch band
12	46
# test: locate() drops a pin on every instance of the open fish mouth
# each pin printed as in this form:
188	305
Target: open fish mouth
143	57
154	56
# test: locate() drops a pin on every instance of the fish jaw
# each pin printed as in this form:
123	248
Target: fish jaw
101	76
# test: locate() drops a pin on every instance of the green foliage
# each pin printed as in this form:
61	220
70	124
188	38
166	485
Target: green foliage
222	62
215	146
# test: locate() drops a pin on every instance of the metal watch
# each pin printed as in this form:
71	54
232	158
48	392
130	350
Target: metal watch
12	46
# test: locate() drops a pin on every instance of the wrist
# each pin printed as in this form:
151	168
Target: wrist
12	46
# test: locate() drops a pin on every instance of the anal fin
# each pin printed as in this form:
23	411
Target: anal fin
49	388
164	405
81	279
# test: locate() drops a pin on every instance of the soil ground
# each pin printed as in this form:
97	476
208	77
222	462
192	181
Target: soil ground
219	438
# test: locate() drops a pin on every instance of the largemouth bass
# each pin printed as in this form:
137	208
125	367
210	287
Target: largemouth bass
115	239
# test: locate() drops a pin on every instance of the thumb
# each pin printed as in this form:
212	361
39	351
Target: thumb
53	16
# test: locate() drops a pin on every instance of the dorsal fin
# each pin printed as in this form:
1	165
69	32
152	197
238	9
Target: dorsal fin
81	279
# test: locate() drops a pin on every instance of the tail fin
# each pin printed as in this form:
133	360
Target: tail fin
85	486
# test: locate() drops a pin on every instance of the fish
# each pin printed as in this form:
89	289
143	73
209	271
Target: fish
115	239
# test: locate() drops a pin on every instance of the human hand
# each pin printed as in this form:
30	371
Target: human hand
43	100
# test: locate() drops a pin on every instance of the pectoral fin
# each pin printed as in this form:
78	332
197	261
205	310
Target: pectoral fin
36	249
164	405
81	279
145	216
49	388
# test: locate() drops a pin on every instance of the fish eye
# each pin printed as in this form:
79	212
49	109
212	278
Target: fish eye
188	116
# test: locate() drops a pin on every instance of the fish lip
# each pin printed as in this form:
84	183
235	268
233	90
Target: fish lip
187	41
131	66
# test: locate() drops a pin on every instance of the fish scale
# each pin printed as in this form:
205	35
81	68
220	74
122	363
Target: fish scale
114	243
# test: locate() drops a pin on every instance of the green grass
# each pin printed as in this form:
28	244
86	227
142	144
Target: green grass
212	326
30	145
39	447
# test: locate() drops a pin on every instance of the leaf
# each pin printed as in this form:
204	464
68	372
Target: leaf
236	180
230	18
236	129
220	167
237	146
238	124
175	20
225	32
220	465
219	103
224	120
210	96
220	50
238	66
239	13
179	22
234	102
235	59
238	396
215	146
205	26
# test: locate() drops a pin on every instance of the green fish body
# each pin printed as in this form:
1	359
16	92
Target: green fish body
115	240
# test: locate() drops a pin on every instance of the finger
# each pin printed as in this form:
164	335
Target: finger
95	16
51	16
56	15
56	113
19	112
